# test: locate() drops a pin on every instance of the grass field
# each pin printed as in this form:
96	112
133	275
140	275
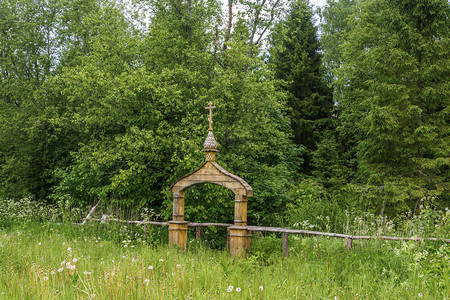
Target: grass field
49	261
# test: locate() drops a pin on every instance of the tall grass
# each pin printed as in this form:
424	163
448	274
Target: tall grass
46	261
40	259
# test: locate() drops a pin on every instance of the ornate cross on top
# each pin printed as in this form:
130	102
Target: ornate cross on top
210	107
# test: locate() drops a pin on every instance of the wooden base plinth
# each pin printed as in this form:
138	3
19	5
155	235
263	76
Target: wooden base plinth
178	234
239	240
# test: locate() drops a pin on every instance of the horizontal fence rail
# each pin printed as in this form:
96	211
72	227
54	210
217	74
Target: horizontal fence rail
285	231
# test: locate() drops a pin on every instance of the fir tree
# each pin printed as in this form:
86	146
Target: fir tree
396	99
296	60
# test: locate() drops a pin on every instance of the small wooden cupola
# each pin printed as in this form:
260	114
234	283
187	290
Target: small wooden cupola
211	172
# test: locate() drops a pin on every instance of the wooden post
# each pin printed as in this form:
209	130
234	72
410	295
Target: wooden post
285	244
198	233
178	227
178	234
240	210
145	231
178	206
349	243
239	240
240	237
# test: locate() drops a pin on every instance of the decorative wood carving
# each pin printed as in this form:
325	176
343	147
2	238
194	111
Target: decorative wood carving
212	172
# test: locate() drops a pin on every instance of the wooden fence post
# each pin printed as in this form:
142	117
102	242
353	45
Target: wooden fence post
349	243
145	231
198	233
285	244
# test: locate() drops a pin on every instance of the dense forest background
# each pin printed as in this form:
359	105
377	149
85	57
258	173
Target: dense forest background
321	112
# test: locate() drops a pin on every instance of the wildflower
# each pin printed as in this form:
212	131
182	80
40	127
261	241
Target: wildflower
74	260
60	270
261	288
39	243
45	278
125	245
230	289
69	249
420	295
146	281
150	267
53	272
238	290
178	266
161	259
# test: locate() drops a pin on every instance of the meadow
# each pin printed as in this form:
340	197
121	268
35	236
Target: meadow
46	260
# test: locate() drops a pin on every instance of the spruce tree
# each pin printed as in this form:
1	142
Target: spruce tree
296	60
396	99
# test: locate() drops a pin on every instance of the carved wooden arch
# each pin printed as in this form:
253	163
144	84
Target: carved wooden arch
211	172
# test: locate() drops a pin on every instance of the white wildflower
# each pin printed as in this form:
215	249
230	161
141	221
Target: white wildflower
230	289
238	290
150	267
261	288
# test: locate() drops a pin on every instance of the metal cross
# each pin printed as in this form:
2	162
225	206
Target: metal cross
210	107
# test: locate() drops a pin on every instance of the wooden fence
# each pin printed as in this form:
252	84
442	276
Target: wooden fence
285	231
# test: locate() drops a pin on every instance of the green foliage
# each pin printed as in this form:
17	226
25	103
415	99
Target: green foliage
123	113
98	103
296	61
312	207
392	99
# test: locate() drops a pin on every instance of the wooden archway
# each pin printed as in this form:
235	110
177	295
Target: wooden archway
212	172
